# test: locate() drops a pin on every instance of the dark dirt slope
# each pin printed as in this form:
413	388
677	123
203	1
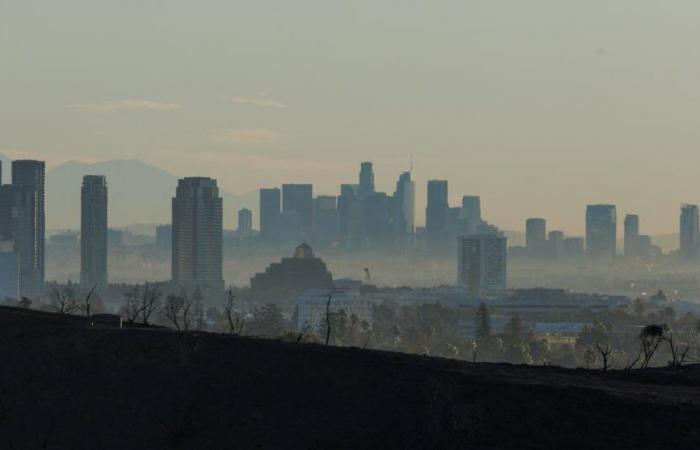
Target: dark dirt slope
75	387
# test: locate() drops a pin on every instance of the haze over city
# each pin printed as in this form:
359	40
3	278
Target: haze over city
395	224
540	108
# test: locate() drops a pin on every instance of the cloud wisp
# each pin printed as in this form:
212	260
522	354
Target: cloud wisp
246	136
124	106
262	102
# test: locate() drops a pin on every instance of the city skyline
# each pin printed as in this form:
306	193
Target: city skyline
518	118
455	198
349	224
231	211
386	182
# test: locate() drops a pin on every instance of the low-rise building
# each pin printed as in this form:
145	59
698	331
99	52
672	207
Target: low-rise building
296	274
558	334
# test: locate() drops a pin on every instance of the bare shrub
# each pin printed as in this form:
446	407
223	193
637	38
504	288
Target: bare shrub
64	300
178	311
604	351
236	323
140	306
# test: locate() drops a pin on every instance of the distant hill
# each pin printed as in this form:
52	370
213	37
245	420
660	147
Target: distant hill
138	193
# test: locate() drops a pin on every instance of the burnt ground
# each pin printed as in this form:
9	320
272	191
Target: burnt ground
64	384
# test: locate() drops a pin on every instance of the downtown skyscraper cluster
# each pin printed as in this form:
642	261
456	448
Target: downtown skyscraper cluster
358	218
600	242
363	218
445	223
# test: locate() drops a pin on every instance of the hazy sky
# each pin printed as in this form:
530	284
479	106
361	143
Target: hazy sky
538	106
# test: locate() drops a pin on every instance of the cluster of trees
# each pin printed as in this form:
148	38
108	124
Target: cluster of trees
515	344
641	336
670	344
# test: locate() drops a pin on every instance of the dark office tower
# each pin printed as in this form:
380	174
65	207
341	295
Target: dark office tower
436	213
404	206
601	231
689	233
9	262
8	198
298	198
366	178
270	207
0	173
245	222
351	212
93	233
378	219
29	177
25	216
536	237
471	212
631	236
326	220
197	260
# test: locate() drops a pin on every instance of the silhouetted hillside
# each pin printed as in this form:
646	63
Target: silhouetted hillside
64	385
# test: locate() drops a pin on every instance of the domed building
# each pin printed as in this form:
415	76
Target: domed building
293	275
304	250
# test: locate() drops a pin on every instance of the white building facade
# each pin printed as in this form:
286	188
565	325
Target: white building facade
482	264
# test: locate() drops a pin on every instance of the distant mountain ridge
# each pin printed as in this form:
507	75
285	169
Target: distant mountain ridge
138	193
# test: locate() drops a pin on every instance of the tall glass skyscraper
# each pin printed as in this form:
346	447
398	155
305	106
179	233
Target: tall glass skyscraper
197	259
298	199
601	231
366	178
689	233
536	237
404	206
436	213
326	220
631	235
471	212
93	233
29	178
270	208
482	264
245	222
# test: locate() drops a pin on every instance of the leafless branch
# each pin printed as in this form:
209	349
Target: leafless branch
328	319
604	351
236	324
64	300
88	300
